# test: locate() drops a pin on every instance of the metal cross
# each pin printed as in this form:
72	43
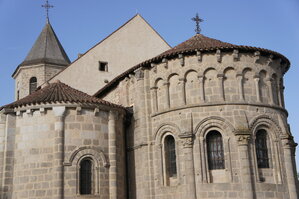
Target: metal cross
197	20
47	6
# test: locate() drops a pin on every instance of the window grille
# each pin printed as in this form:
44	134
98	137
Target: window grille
170	156
32	85
215	150
262	149
85	176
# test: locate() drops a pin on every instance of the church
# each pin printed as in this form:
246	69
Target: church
134	118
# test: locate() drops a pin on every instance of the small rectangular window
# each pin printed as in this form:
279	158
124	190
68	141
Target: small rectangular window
103	66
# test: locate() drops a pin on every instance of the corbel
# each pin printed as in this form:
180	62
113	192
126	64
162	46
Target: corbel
257	56
182	59
96	111
154	66
29	112
199	56
165	62
270	60
42	111
236	55
78	110
139	73
218	55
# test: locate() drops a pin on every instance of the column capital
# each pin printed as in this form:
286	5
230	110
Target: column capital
139	73
243	137
187	139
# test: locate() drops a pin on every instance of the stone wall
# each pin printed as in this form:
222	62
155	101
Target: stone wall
187	97
42	158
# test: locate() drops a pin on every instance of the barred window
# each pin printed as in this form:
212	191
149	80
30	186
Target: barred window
170	156
85	176
262	149
32	85
215	150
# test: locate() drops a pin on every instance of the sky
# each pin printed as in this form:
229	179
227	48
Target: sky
80	24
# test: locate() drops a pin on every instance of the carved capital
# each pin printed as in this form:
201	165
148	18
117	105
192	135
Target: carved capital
187	139
243	139
288	142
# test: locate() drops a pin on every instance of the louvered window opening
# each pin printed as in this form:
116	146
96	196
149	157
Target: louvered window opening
262	149
215	150
32	85
170	156
85	177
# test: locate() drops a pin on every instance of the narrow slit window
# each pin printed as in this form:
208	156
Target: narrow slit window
85	176
262	149
215	150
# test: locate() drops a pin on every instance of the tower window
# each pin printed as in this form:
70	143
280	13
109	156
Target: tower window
170	156
85	176
103	66
215	150
18	95
32	84
262	149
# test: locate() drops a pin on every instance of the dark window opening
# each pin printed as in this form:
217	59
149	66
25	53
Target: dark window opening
170	156
103	66
262	149
215	150
85	176
32	85
18	95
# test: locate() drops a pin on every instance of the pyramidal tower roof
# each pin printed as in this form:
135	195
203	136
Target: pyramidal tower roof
46	50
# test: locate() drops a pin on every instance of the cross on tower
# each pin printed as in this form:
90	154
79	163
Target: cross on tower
197	20
47	6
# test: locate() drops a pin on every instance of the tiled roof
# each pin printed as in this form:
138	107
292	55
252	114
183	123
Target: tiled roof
198	42
58	92
46	50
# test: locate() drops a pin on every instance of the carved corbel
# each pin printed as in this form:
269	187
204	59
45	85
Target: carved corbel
139	73
199	56
96	111
218	55
78	110
165	62
236	55
182	59
270	60
154	67
257	56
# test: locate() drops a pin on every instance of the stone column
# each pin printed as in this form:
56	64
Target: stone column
270	86
183	91
58	177
257	88
240	85
243	145
154	99
112	154
167	97
221	88
289	151
187	140
201	88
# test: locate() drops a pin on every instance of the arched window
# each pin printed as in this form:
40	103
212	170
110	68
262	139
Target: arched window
170	156
32	85
85	176
215	150
261	149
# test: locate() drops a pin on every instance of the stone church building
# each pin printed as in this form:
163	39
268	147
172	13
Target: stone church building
133	118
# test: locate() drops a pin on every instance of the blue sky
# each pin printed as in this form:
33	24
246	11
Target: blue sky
80	24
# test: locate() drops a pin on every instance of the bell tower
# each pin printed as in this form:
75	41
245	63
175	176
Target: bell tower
45	59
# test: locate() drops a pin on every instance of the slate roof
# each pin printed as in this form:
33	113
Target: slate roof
47	49
198	42
58	92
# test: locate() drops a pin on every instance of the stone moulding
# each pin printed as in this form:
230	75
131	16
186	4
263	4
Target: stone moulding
86	150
